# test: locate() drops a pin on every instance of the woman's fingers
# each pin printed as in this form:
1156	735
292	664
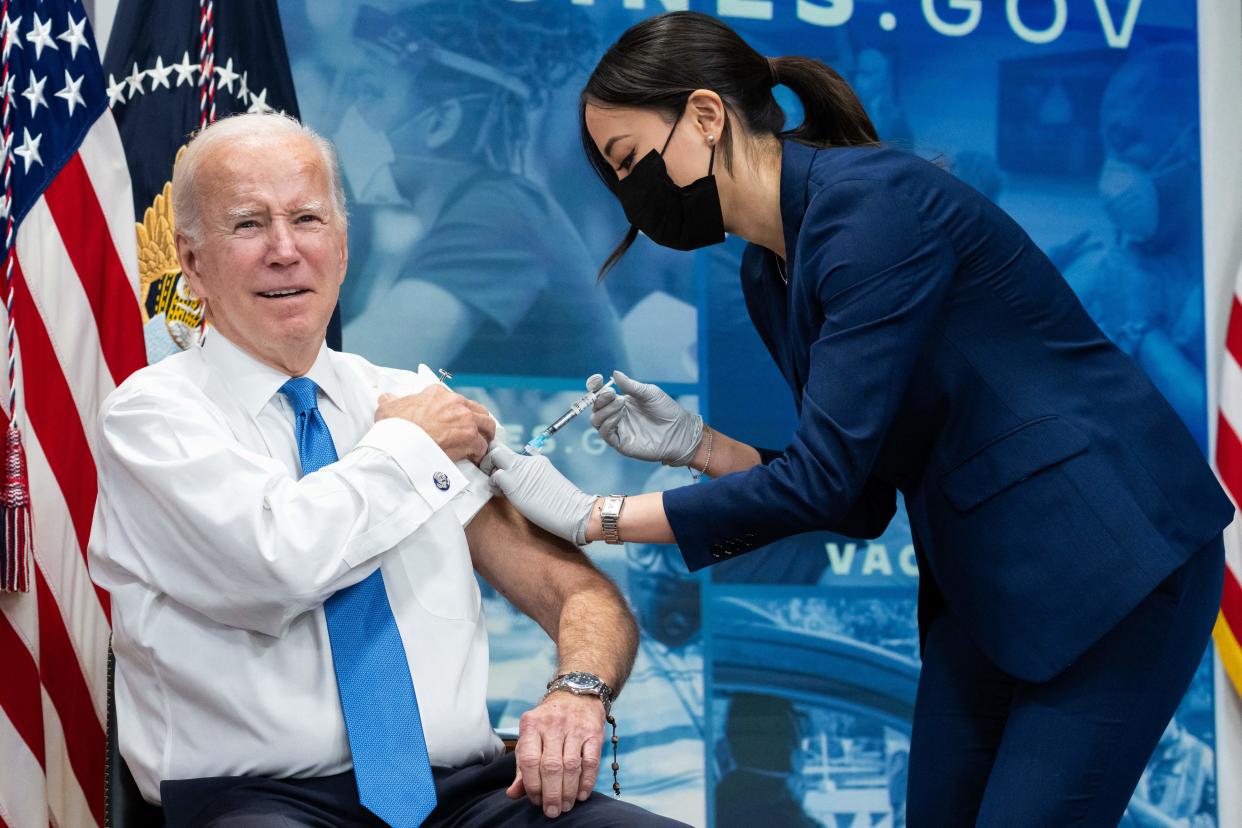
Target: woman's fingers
602	415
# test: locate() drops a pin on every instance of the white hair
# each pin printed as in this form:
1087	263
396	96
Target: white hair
186	197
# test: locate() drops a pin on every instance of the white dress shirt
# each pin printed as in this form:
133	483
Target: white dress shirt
219	556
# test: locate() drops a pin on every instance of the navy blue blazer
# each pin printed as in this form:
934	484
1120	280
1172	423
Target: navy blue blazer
934	350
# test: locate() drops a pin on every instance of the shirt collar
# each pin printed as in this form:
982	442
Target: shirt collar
795	174
254	383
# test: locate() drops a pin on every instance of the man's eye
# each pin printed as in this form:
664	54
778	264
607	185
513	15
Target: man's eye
247	224
628	162
307	217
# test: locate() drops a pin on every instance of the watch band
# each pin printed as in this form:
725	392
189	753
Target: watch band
610	516
583	684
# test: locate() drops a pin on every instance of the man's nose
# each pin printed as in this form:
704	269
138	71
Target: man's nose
282	249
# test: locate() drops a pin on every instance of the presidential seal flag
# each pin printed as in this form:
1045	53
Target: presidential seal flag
72	333
174	66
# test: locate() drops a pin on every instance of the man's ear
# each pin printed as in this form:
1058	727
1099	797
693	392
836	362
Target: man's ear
444	120
188	257
344	262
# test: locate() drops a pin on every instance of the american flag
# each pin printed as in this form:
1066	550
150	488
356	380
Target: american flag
72	296
1228	633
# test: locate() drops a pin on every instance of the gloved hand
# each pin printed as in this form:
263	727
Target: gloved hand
645	423
540	492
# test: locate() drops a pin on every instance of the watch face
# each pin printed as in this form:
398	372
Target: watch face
581	681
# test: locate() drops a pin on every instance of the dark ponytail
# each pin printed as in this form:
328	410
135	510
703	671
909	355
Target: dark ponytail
834	115
657	63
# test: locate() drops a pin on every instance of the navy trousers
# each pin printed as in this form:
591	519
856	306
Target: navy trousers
990	750
469	797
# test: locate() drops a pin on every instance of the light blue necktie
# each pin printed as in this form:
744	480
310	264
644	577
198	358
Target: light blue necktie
372	674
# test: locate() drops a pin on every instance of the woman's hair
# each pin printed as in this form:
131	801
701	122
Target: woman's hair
657	63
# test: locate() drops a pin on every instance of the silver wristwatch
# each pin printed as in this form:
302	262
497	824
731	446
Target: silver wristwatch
609	515
583	684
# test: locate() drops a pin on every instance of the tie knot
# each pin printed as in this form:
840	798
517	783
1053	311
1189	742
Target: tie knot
301	392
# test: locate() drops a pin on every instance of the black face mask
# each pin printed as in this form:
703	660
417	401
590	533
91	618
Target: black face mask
683	218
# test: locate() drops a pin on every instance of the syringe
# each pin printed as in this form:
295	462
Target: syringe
581	404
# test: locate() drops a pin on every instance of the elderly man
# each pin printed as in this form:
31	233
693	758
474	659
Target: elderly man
289	533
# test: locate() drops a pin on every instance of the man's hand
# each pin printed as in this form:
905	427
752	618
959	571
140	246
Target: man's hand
558	750
460	427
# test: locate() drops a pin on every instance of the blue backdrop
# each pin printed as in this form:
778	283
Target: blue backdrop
476	231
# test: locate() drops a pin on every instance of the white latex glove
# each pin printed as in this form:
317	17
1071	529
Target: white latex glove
540	492
645	423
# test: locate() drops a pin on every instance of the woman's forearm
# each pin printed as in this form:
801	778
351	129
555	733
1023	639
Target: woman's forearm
643	520
727	455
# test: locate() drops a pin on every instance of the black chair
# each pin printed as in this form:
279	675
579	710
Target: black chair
124	806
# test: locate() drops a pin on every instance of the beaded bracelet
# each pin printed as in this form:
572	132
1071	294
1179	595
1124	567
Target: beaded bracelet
707	461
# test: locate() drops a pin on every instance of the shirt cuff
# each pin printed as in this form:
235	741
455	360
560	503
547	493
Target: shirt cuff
434	476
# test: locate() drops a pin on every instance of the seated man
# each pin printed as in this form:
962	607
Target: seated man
288	534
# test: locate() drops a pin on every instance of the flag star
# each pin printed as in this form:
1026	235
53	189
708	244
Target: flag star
9	87
75	36
4	207
11	36
34	93
185	70
243	93
40	35
258	102
227	75
159	75
135	82
29	150
116	91
72	92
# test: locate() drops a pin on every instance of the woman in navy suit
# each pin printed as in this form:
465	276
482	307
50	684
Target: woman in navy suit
1067	528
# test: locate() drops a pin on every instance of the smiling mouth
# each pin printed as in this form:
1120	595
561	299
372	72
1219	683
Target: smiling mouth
282	294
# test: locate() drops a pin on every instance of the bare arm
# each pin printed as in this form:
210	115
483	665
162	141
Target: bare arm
560	740
556	585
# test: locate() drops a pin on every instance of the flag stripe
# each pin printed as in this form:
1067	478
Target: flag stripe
67	575
103	155
1229	459
19	691
66	686
22	786
65	309
80	219
1230	652
1231	601
1233	334
1231	390
50	403
66	799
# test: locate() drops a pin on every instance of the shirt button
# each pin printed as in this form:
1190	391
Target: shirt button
441	480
